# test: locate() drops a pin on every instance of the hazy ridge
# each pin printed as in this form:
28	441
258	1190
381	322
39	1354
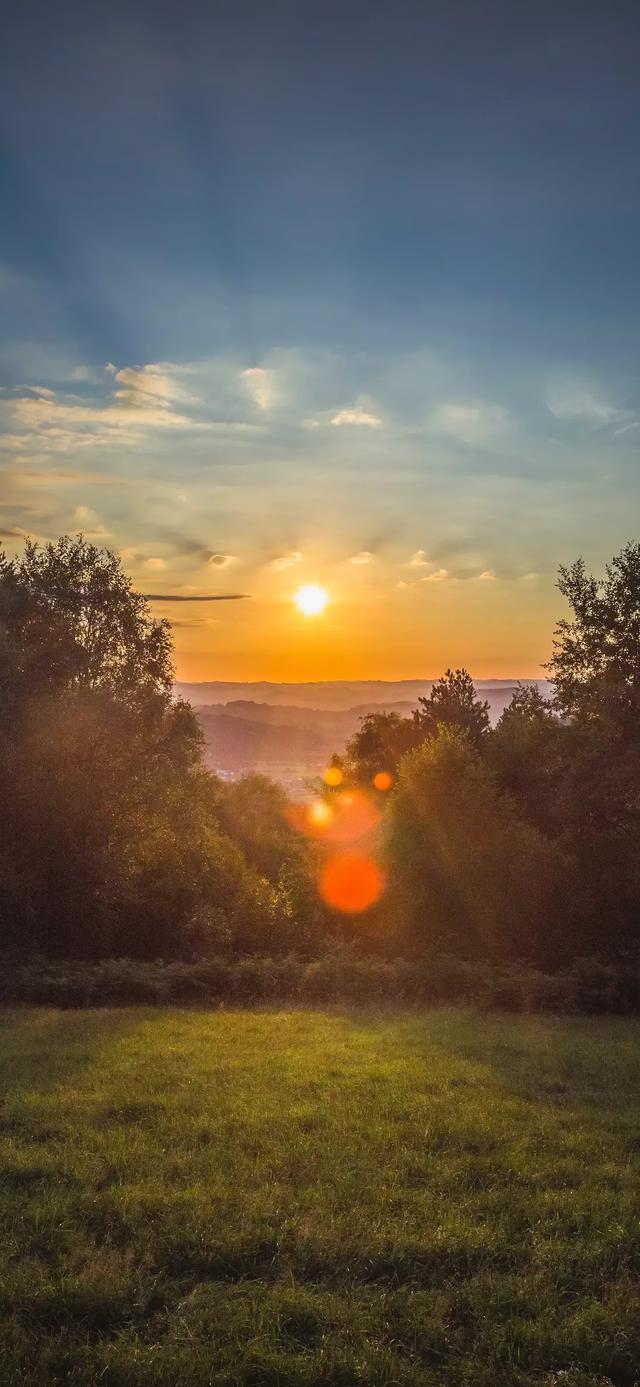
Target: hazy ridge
291	730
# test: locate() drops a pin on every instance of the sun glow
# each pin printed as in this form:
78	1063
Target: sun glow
311	600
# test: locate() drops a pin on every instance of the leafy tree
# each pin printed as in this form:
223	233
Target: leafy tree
453	702
466	874
526	752
70	619
381	740
596	671
253	811
113	840
595	665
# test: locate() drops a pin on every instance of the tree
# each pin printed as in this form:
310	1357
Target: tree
526	751
453	702
381	740
253	811
467	875
92	745
595	665
70	619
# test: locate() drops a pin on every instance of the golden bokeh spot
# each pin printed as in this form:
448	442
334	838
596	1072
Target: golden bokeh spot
319	814
351	883
354	815
383	780
333	776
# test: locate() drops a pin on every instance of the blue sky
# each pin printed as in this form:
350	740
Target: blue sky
325	292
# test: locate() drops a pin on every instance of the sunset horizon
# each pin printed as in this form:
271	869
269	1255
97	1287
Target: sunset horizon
312	310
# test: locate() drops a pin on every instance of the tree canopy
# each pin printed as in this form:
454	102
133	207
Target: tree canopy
518	842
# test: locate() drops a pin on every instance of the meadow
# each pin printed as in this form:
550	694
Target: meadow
339	1197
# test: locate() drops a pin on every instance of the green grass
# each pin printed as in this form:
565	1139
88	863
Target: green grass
299	1197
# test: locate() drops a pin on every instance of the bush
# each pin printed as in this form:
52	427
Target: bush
590	985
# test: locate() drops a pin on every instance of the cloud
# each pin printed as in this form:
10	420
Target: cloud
259	385
356	416
141	401
627	428
285	561
186	597
42	392
475	425
221	560
86	520
155	565
419	560
364	556
54	421
440	576
575	401
488	576
48	476
142	386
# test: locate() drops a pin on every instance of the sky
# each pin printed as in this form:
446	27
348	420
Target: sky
326	293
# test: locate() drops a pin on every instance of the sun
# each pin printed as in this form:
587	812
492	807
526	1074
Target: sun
311	599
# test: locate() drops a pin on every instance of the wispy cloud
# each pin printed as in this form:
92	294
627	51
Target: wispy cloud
575	401
474	424
364	556
187	597
140	402
286	561
418	560
142	387
221	560
440	576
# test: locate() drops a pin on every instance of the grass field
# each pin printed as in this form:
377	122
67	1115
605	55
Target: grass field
298	1197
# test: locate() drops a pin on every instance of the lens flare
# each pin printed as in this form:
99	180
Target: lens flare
354	815
319	814
333	776
383	780
351	883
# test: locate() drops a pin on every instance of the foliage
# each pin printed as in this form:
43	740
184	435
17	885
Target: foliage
593	984
113	820
453	702
526	752
517	845
595	665
380	742
70	619
466	873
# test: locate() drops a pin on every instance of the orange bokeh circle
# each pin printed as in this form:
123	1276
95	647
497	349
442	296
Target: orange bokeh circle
351	883
383	780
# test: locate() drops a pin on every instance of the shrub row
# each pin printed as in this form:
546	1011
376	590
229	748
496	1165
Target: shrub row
589	985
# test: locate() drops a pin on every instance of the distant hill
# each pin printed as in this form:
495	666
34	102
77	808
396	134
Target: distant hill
237	744
293	739
336	694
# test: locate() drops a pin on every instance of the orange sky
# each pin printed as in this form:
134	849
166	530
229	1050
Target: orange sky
376	630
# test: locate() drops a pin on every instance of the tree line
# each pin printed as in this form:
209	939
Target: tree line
518	843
